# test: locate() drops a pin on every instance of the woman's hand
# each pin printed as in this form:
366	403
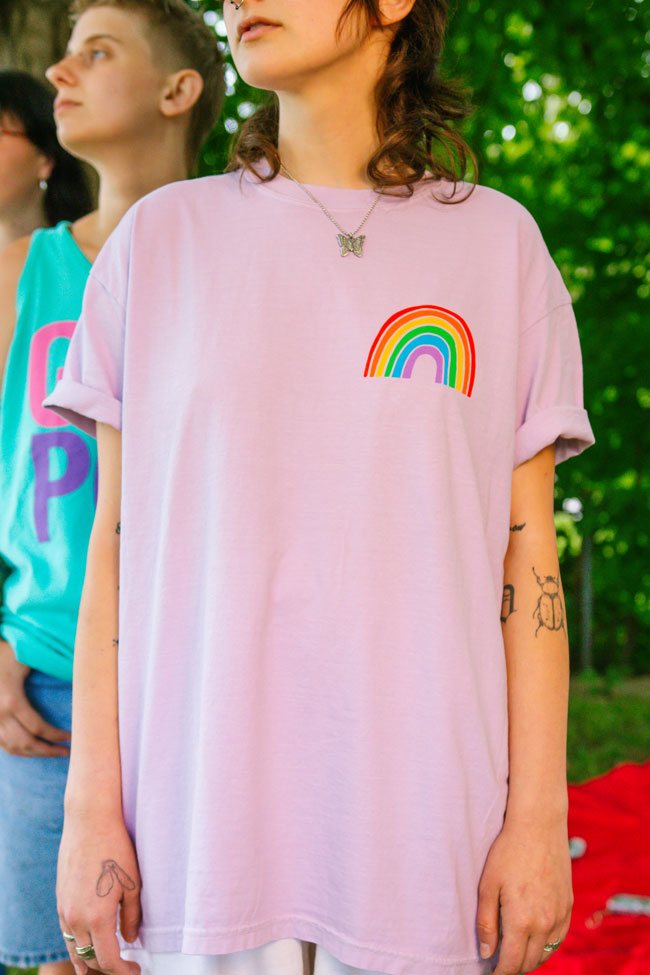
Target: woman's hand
527	875
22	729
97	874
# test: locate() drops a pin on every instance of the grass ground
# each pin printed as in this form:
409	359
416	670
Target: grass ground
609	723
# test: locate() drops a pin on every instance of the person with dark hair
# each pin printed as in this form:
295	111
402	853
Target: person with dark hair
127	95
40	183
321	668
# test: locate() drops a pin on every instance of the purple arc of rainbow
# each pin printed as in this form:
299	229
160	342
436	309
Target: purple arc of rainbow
425	330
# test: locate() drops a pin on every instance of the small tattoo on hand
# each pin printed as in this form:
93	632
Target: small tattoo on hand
549	611
110	873
517	528
508	604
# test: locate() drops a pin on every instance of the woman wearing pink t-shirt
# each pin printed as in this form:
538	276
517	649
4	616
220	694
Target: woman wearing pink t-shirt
329	389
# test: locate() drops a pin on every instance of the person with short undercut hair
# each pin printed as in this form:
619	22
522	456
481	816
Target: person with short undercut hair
138	90
178	38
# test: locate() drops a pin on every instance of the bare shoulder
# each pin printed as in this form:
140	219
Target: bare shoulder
12	259
12	262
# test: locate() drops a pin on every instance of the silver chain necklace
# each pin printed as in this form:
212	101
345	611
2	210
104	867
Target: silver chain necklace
348	243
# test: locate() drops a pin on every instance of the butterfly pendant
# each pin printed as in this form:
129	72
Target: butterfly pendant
350	244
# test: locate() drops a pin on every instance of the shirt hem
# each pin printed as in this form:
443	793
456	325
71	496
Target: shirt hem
375	958
83	406
566	426
50	663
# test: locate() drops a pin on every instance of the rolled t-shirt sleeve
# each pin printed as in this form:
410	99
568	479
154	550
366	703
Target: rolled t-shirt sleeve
90	387
549	389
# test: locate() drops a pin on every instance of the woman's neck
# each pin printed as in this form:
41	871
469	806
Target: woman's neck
328	130
334	155
22	219
122	182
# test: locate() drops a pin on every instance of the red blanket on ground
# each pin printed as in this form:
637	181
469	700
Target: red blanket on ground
612	813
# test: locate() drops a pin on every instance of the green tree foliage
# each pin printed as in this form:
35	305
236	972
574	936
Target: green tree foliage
562	123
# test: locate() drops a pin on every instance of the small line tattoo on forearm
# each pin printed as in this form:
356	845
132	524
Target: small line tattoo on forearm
116	642
549	611
518	528
111	872
118	528
508	603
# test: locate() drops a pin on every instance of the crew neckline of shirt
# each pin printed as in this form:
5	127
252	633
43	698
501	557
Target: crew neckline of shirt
335	197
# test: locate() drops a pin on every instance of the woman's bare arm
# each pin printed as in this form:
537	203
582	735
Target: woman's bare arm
537	649
95	753
527	879
97	863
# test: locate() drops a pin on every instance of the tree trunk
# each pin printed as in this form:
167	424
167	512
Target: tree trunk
33	34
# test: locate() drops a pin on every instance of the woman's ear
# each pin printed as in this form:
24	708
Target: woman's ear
45	167
181	92
394	11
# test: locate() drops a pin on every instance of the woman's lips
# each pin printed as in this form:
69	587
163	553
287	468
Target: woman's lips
257	30
63	104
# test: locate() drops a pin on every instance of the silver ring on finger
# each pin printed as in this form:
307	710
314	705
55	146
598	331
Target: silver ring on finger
86	952
552	946
68	937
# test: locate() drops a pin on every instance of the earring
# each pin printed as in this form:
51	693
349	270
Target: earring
43	184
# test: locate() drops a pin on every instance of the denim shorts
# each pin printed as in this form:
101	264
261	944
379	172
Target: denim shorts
31	821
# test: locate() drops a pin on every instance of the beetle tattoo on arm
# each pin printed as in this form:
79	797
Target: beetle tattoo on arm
549	611
517	528
508	604
111	872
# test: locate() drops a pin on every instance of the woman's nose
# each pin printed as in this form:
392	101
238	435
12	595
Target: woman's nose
61	73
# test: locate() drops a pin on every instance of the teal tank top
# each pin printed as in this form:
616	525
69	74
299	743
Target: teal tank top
48	469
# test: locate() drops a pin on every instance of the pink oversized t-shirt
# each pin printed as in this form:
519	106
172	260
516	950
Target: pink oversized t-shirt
317	464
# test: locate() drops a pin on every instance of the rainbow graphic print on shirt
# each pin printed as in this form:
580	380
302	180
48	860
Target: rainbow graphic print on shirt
425	330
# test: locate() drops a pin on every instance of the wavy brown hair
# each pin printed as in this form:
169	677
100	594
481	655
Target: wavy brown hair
415	109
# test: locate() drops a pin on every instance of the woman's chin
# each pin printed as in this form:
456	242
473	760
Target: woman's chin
77	143
263	69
